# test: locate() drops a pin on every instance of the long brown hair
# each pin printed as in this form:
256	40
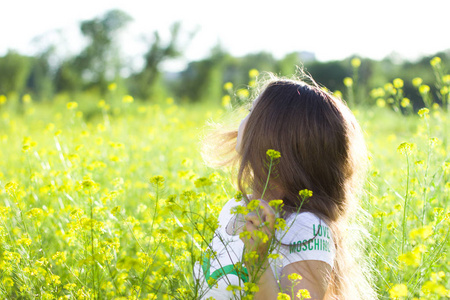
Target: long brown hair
322	150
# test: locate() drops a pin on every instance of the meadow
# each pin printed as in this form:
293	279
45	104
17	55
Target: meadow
111	199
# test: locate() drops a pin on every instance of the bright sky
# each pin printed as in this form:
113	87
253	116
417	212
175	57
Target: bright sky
331	29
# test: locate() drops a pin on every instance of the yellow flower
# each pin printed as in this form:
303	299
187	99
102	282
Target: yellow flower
70	286
260	236
431	287
243	93
377	93
294	277
405	102
405	148
338	94
398	83
11	188
2	99
116	210
7	281
389	87
253	73
226	100
253	205
34	213
273	154
411	258
392	225
157	180
348	82
398	290
127	99
26	98
304	194
356	62
276	204
101	128
417	81
112	86
72	105
283	296
423	112
381	102
101	103
55	279
202	182
251	287
274	256
424	89
280	224
87	184
303	294
228	86
239	209
59	258
435	61
445	79
23	241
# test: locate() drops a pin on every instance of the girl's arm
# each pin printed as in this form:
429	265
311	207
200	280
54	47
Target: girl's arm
314	273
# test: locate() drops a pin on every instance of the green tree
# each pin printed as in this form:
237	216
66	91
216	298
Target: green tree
203	79
143	84
99	62
40	79
329	74
287	66
14	71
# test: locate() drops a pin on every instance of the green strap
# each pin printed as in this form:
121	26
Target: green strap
219	273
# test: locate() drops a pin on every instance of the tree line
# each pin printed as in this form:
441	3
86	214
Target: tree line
100	64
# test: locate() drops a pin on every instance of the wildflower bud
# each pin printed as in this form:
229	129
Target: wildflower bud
423	112
305	194
356	62
273	154
228	86
127	99
71	105
112	86
424	89
157	180
398	83
435	61
417	81
348	82
253	73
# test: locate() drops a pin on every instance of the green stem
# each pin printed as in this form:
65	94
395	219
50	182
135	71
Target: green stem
425	179
268	177
406	204
92	243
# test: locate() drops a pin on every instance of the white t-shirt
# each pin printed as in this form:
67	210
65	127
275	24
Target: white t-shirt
306	237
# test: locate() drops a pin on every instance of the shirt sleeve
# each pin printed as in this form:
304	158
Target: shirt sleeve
307	237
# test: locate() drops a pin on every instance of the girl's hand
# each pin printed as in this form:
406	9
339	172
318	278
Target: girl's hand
258	233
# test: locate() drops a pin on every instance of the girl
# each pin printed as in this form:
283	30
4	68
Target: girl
322	150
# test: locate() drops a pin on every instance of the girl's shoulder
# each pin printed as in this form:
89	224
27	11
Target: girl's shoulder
306	236
303	225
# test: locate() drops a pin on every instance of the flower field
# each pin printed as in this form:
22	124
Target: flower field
110	199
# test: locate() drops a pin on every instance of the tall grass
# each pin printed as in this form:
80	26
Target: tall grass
111	200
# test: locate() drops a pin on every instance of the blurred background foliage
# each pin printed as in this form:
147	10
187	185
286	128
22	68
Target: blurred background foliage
101	67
